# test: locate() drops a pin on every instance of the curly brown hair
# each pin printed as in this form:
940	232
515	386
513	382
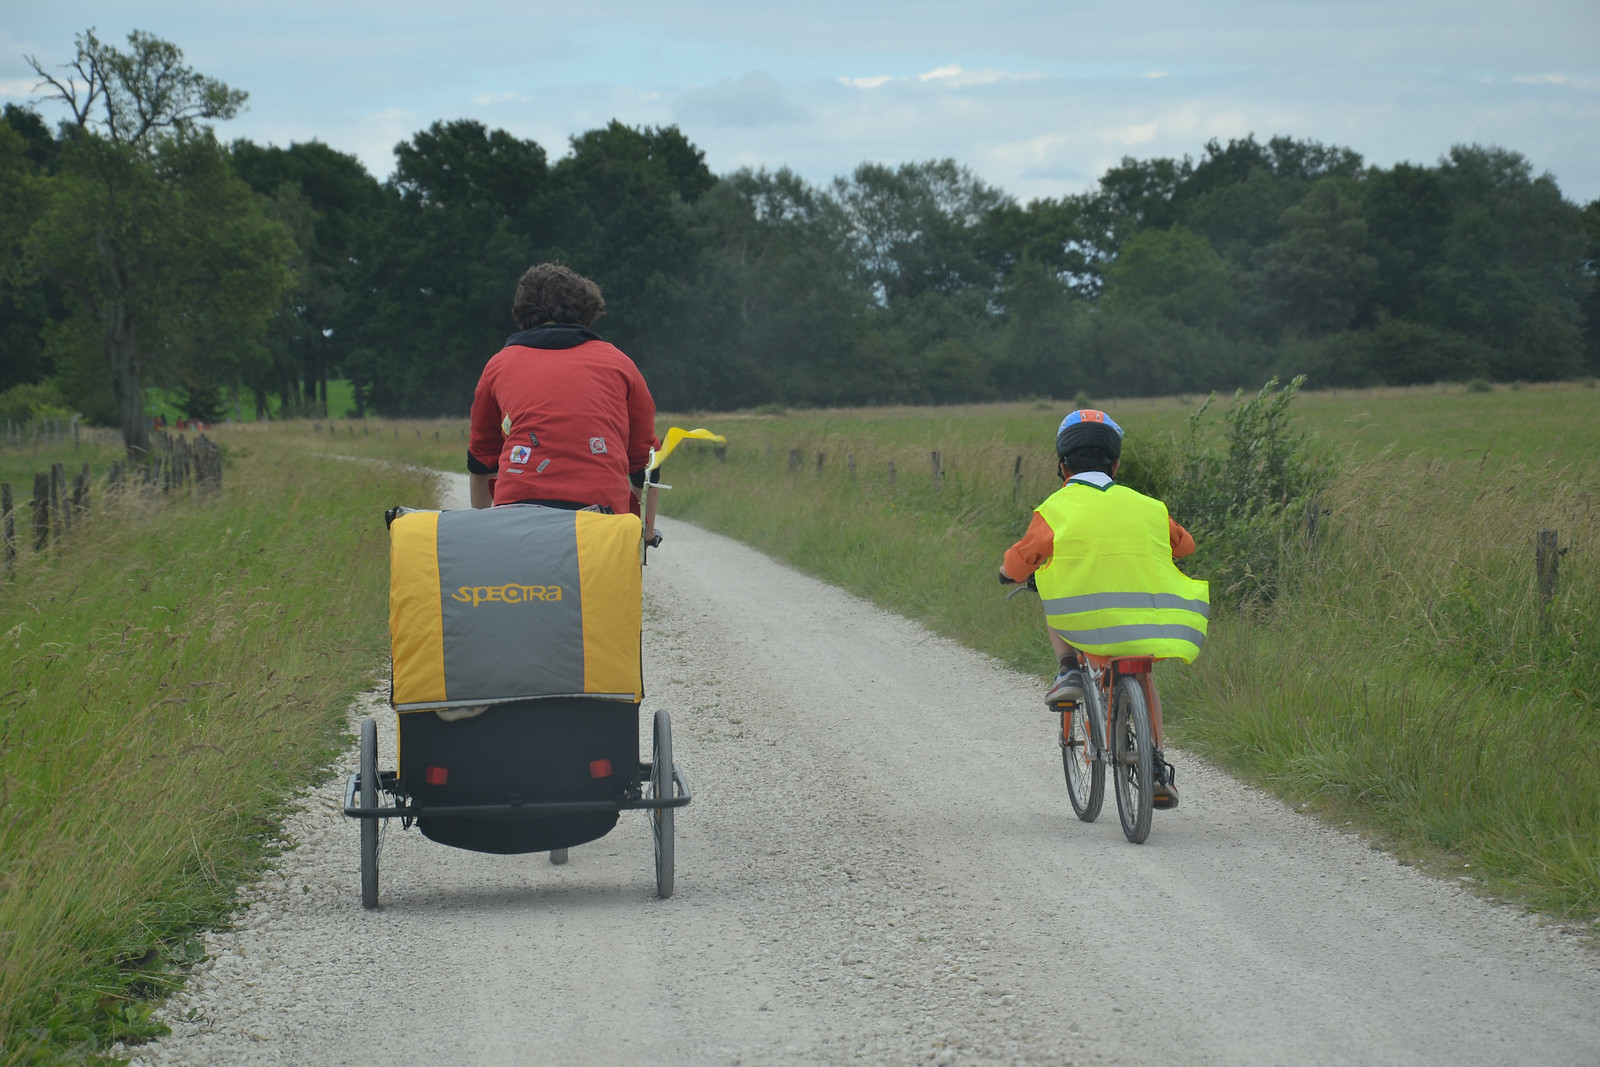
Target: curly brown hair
550	292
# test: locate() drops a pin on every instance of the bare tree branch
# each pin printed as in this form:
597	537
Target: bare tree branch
88	66
143	91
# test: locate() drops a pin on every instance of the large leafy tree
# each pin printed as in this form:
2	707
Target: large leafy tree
467	211
26	300
1591	278
775	308
169	262
1510	269
919	227
623	203
1317	276
335	210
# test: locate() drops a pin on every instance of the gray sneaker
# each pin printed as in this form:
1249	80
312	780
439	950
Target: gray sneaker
1067	688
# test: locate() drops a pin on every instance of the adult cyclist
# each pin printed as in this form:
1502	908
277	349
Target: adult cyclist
1102	557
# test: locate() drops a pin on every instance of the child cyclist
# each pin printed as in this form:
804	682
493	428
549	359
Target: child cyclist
1102	556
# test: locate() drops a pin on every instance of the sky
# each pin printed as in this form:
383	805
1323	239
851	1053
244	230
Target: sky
1037	97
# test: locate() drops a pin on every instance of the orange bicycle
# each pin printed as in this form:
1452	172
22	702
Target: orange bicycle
1105	722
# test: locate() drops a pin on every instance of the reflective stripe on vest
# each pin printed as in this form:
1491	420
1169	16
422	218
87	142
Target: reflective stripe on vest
1110	587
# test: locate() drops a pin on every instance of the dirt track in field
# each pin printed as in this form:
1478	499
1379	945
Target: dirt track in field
879	865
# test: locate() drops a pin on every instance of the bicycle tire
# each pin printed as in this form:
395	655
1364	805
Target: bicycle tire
369	823
1132	759
1085	774
662	819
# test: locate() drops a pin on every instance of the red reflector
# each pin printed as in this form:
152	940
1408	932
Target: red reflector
599	768
1141	665
437	775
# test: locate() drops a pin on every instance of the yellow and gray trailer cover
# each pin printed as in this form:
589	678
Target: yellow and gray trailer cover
513	603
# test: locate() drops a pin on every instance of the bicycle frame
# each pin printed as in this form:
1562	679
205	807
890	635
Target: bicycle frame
1103	673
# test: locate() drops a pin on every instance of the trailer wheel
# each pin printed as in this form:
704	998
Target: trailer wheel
661	819
369	823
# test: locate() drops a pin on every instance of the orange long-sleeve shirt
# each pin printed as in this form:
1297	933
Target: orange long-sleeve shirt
1039	544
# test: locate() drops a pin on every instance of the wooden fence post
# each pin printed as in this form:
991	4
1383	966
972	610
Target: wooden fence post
181	464
59	519
207	464
819	462
41	511
938	472
80	493
721	452
1313	523
794	460
8	525
1547	558
850	461
891	472
1016	479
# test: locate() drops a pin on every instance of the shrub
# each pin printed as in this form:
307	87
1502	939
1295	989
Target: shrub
1247	502
33	401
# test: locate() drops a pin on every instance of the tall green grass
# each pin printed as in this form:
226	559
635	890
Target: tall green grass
172	671
1405	678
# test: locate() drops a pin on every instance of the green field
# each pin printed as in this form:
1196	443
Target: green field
1406	681
242	408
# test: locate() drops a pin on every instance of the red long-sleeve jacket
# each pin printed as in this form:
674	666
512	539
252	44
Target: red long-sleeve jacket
561	415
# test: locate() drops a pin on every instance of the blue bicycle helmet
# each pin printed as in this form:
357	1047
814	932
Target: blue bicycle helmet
1089	428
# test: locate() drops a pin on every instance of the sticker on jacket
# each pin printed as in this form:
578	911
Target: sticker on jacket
520	453
505	425
597	446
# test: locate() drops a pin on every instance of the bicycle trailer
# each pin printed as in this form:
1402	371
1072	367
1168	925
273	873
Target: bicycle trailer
517	683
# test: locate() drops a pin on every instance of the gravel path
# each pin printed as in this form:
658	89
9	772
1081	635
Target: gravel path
880	864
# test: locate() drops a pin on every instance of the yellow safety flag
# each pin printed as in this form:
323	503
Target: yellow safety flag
676	434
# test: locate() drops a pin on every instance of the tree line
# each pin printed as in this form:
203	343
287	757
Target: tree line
143	250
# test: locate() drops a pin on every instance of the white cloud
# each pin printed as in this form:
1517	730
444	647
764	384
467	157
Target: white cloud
1153	74
1142	133
867	83
960	78
17	88
1586	84
509	97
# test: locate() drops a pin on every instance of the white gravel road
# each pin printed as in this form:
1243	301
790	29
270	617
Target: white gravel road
880	865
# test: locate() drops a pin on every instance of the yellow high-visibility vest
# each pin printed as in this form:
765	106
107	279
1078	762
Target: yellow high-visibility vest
1111	587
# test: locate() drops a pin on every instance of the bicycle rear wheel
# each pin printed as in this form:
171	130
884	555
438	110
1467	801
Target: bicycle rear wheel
1132	758
1086	775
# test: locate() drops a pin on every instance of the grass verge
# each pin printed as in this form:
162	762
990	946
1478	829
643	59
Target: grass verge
1406	679
173	670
